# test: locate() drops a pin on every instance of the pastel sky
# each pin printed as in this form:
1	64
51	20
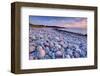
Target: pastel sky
74	22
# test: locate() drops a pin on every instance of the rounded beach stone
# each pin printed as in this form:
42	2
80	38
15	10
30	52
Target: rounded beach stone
31	48
33	37
59	54
41	51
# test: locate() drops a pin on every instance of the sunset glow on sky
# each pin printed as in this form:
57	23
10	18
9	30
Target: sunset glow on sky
73	22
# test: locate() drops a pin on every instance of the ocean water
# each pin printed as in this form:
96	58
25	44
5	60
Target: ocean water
75	30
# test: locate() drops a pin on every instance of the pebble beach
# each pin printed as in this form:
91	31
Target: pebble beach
51	43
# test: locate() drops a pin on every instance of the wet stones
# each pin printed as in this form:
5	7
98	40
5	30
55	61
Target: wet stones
47	43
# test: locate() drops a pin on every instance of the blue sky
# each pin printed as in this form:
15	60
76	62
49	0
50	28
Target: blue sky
53	21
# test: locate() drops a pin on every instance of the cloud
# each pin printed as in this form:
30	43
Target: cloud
74	22
79	24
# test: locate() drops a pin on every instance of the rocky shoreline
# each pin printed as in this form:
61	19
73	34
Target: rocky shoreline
48	43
